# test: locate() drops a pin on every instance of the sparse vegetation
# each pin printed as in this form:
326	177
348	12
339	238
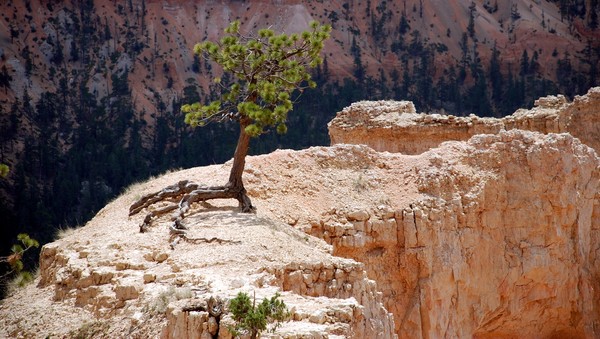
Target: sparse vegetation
160	303
14	261
252	319
262	74
64	232
84	137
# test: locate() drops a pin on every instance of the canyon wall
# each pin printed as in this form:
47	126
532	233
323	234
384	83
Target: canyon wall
396	126
503	243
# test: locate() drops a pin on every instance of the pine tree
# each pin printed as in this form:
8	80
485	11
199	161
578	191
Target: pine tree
495	75
58	55
471	26
5	78
266	70
404	25
465	59
593	16
359	68
14	32
534	65
514	12
382	84
524	69
406	83
26	54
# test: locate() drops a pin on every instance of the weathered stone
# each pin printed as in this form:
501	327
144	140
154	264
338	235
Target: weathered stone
160	257
213	326
497	245
358	216
319	317
126	292
396	127
102	276
149	277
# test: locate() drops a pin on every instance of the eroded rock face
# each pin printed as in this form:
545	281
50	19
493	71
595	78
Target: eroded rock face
498	224
396	127
503	244
110	279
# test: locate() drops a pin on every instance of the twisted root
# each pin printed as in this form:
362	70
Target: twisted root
187	193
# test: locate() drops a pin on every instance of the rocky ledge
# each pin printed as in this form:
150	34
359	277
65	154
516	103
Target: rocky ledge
396	126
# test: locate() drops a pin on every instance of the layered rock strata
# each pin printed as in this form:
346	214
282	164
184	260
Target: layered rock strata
495	236
134	277
396	126
503	243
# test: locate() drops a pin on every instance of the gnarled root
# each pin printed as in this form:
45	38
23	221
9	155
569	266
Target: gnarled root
187	193
171	191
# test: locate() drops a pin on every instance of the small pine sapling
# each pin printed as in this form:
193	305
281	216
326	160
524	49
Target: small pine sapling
253	319
15	262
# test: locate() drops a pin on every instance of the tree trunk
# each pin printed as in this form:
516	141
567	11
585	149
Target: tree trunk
235	183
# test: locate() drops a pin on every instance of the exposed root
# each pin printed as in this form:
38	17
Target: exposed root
171	191
187	193
197	195
196	241
151	215
178	235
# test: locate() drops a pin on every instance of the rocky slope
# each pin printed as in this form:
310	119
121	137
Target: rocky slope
396	127
109	278
492	237
169	29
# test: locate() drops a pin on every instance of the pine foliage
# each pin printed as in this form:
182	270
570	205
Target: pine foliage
253	319
266	71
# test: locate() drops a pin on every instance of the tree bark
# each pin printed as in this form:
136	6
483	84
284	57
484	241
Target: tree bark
235	183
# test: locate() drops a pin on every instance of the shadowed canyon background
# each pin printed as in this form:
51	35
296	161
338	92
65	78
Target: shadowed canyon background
90	90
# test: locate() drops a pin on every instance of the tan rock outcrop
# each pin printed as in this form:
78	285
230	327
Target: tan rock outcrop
503	244
396	127
111	273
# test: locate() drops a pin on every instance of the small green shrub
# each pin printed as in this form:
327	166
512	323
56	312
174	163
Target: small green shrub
14	259
253	319
3	170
